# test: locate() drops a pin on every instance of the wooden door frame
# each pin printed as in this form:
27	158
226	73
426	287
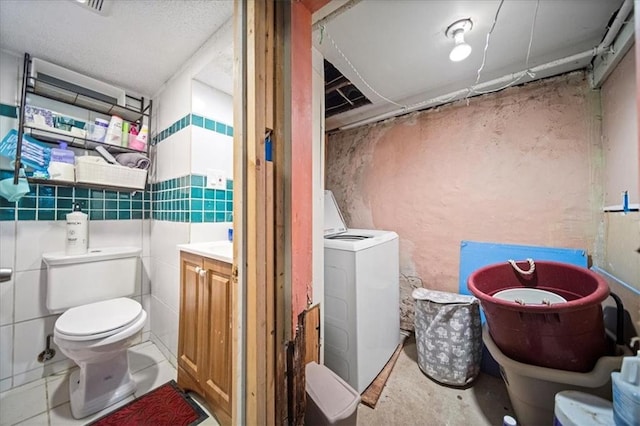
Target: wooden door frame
272	234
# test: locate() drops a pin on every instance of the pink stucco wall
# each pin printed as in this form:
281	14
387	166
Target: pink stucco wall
521	166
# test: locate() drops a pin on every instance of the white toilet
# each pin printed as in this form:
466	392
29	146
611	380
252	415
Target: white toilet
98	324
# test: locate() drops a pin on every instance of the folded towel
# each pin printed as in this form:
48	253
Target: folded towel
134	160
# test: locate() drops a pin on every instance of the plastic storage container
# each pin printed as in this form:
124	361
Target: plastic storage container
92	169
331	401
626	391
448	336
566	336
61	165
578	409
63	155
532	388
98	129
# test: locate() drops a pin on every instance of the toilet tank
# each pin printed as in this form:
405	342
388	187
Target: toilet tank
100	274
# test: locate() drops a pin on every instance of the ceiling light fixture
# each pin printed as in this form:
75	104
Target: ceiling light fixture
456	31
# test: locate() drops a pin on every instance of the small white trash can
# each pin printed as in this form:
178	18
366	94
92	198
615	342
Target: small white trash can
331	400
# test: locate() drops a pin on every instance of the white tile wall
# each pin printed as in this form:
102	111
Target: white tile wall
164	238
147	275
6	351
6	302
30	340
33	238
7	243
164	326
146	305
211	150
211	103
11	70
166	286
114	233
174	100
30	295
202	232
173	156
146	233
7	260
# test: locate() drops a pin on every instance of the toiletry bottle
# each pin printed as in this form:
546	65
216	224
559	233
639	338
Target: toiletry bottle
133	134
77	231
140	141
114	131
125	133
98	130
626	391
62	164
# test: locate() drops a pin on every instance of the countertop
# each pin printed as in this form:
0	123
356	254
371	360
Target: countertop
218	250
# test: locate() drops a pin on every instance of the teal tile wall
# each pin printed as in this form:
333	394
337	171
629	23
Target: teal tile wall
10	111
193	120
187	199
48	202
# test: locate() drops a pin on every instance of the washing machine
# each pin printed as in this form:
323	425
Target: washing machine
361	298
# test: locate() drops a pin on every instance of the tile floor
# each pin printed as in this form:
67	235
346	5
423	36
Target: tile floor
46	401
409	397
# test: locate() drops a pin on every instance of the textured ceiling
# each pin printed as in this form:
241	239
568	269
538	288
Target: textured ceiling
138	46
400	49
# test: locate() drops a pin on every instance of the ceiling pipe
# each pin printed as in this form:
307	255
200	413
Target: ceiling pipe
610	36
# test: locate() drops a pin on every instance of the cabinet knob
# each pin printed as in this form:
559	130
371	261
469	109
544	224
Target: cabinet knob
198	270
202	272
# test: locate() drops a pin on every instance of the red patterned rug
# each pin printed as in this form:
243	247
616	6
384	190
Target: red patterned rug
165	405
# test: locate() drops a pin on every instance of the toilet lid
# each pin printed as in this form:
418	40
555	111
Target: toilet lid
98	319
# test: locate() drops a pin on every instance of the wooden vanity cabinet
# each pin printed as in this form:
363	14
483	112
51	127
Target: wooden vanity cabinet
204	339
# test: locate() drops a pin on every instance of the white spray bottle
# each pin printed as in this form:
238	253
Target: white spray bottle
77	231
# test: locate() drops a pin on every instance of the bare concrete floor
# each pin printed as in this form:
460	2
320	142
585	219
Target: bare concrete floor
411	398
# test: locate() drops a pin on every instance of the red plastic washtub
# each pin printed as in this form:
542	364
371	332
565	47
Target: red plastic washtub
565	336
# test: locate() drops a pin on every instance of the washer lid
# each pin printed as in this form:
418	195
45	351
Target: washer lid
99	317
333	221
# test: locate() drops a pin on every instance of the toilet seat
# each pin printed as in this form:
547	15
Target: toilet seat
98	320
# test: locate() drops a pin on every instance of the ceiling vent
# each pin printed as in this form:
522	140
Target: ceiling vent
340	94
101	7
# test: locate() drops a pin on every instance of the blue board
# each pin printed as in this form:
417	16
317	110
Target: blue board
474	255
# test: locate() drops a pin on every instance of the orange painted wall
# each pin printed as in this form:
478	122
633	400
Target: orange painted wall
521	166
637	7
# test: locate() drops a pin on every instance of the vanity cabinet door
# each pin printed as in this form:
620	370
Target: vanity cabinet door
192	327
216	373
204	340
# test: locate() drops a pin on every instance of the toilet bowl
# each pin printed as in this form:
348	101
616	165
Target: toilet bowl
97	324
96	337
